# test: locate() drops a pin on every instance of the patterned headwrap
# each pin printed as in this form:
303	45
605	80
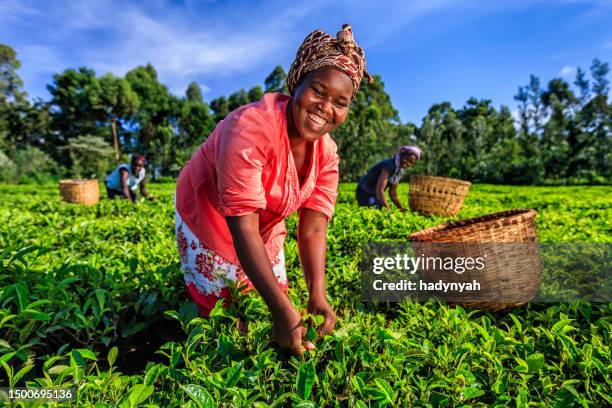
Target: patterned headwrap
399	172
322	50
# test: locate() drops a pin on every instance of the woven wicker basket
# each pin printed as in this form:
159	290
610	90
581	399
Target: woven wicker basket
507	240
431	195
80	191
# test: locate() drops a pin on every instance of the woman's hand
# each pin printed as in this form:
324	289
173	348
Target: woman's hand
393	195
312	228
251	251
290	333
318	305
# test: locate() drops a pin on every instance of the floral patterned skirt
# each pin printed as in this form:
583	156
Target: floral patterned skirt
208	275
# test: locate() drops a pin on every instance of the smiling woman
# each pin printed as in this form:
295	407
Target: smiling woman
262	163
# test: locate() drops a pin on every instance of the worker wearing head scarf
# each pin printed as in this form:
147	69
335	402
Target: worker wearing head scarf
322	50
263	162
386	173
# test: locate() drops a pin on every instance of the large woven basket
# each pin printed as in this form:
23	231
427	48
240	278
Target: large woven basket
508	242
431	195
80	191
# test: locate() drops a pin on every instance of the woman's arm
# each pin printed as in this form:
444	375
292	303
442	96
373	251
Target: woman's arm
254	261
393	195
143	189
381	184
124	184
312	242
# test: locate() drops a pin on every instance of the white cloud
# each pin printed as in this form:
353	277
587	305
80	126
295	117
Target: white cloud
15	11
38	61
182	44
178	53
201	41
567	71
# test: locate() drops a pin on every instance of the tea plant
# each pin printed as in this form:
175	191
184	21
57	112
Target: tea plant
94	297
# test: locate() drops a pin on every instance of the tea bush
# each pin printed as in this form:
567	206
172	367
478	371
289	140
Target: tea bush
94	297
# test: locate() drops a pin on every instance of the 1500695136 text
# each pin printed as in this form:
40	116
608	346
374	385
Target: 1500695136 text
46	394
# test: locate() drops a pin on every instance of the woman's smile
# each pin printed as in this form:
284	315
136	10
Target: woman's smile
317	122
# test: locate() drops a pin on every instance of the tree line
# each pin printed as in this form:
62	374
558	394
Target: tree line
561	133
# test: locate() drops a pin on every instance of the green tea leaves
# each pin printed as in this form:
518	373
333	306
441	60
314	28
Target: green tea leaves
234	374
110	315
535	362
138	394
305	379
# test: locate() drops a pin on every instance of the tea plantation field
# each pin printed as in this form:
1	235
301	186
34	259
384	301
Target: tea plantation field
94	297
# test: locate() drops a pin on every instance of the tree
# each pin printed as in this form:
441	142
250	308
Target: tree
563	133
583	86
478	118
25	124
195	124
220	106
75	109
532	114
555	142
275	82
371	130
8	169
538	112
599	70
157	119
441	137
117	98
118	102
14	106
11	85
90	155
599	113
504	158
33	165
194	93
83	104
558	91
522	97
255	93
196	121
237	99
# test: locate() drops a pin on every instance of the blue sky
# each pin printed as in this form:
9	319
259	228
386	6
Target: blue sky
425	51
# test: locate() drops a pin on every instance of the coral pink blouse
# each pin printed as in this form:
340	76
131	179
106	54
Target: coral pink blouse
245	166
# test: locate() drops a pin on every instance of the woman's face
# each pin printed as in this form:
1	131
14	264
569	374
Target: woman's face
137	166
321	103
407	160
